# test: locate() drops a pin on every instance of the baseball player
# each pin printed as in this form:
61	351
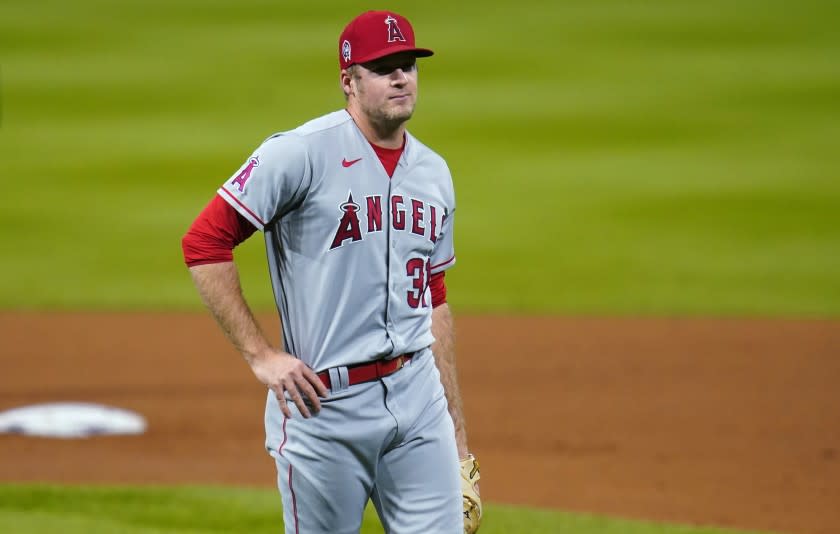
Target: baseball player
358	218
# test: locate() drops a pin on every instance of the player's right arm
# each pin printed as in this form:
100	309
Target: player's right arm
208	247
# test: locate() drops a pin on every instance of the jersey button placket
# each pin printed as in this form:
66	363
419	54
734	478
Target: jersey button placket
391	259
396	268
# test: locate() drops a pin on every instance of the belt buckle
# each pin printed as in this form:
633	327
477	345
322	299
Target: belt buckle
401	362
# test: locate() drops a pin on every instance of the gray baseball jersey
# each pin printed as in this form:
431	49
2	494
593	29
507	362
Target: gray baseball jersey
350	253
350	250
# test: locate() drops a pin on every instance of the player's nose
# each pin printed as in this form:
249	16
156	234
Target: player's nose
398	76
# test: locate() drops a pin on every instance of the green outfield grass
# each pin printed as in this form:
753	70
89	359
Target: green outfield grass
652	157
31	509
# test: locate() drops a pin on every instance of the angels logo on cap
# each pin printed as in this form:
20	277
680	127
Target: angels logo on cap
394	33
365	37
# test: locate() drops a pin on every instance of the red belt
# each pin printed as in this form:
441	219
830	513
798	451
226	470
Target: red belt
365	372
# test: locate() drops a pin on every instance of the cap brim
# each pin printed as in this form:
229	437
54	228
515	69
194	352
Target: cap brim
418	52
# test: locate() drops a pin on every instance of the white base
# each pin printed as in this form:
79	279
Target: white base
70	420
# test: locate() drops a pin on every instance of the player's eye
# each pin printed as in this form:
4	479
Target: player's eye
385	70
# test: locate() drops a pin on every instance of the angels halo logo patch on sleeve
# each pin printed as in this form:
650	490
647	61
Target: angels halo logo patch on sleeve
242	178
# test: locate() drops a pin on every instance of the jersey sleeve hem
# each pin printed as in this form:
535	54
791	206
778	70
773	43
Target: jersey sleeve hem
206	262
243	210
440	267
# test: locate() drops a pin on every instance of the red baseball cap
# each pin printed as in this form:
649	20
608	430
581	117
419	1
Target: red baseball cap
376	34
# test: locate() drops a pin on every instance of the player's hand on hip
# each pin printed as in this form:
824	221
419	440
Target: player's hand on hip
284	373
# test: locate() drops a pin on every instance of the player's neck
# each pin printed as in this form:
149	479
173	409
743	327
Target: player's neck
385	135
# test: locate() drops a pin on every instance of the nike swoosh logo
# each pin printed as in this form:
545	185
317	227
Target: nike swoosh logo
345	163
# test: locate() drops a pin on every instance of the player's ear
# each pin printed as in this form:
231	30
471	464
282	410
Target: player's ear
345	79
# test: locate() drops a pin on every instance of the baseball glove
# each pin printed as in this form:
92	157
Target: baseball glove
469	488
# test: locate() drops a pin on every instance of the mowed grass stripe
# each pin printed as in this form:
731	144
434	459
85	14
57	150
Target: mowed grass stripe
32	509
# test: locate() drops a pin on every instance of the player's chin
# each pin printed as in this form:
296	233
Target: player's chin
400	111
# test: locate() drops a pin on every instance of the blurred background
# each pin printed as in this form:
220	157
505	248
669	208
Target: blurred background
610	157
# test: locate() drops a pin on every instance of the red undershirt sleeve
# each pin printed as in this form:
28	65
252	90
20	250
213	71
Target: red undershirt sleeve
214	234
438	287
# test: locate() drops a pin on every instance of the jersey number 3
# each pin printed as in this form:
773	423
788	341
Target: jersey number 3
418	270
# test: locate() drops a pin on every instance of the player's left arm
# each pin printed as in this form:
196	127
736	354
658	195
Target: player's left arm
444	350
443	328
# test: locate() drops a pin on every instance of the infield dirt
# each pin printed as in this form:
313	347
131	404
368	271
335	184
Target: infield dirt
724	422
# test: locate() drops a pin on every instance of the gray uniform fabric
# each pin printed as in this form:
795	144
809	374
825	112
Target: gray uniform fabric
350	252
389	440
349	249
